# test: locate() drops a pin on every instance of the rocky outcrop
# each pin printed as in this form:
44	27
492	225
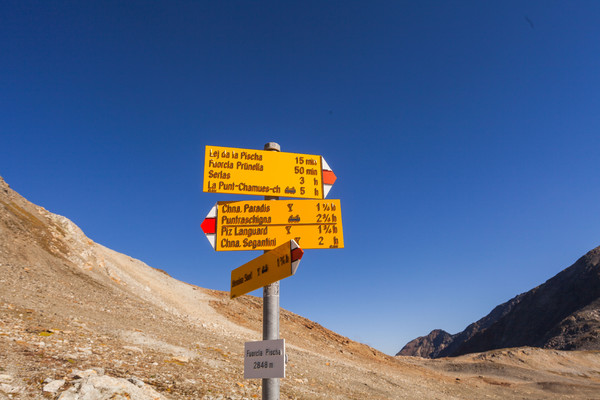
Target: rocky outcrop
427	346
563	313
88	385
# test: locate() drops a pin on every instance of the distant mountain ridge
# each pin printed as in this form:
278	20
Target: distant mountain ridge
563	313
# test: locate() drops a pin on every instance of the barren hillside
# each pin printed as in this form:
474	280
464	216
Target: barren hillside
77	318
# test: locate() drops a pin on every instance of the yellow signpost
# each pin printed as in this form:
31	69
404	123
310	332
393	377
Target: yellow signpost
266	173
265	224
272	266
279	227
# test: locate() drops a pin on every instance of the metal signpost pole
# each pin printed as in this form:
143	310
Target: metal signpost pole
270	386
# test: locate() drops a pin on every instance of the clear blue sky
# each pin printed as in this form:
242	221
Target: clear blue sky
465	137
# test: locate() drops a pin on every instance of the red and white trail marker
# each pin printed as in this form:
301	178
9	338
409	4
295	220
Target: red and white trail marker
328	177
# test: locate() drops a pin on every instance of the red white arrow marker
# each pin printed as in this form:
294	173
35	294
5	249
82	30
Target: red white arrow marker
297	254
209	226
328	177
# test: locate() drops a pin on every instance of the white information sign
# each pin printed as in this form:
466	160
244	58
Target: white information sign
264	359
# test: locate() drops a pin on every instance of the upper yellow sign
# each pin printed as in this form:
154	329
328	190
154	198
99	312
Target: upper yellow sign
266	173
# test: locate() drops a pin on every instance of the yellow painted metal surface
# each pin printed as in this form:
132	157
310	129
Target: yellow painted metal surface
266	224
262	271
262	173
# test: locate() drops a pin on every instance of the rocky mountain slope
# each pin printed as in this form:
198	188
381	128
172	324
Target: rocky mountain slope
563	313
80	321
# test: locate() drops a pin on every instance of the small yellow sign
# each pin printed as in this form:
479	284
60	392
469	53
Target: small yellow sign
270	267
266	173
264	225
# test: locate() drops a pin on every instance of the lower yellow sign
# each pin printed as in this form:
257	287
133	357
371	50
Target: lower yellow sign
270	267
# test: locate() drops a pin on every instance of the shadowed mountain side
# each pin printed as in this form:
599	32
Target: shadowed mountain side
563	313
438	341
549	315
